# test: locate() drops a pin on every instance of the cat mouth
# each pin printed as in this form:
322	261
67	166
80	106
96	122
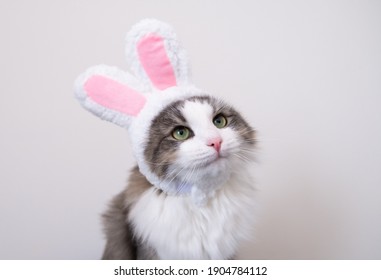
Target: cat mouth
211	161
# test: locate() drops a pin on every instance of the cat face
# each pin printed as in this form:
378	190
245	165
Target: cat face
196	140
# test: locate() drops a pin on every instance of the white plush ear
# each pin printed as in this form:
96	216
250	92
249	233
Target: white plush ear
111	94
155	56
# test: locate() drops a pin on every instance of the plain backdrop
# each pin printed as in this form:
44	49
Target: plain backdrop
305	74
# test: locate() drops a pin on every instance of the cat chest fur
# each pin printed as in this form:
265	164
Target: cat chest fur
176	228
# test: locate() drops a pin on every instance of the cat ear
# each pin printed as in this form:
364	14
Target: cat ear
155	56
110	94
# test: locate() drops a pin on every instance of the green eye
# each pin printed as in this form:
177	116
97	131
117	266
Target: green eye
220	121
181	133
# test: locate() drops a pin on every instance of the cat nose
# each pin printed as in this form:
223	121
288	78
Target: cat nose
215	143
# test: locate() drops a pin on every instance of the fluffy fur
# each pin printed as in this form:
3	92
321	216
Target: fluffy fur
145	223
176	228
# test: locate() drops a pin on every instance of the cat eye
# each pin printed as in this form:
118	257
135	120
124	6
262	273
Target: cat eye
181	133
220	121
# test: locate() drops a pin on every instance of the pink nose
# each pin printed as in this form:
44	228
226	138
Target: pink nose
215	143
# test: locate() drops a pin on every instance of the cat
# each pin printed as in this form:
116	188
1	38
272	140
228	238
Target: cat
197	141
191	195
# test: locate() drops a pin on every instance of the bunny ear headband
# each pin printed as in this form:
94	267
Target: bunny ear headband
160	77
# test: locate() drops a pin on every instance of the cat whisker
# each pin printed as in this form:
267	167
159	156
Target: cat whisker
247	152
176	175
183	183
174	172
248	141
242	157
201	163
157	163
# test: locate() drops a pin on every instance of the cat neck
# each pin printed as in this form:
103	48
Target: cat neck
200	191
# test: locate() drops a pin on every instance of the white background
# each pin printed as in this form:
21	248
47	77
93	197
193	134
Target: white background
306	74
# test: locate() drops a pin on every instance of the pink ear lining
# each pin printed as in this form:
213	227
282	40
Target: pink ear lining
153	57
114	95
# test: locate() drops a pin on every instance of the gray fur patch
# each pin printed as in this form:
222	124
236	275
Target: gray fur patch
122	243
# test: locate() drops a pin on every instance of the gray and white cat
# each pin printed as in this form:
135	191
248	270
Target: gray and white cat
196	141
191	195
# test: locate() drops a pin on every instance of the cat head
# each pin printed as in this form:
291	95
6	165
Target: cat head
167	117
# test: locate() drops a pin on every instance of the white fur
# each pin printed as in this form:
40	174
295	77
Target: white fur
195	152
179	229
